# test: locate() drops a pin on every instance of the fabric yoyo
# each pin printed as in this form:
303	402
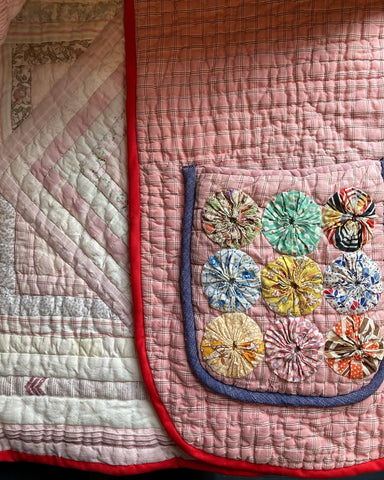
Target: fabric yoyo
354	347
348	219
294	348
232	345
292	286
292	223
352	283
231	218
231	281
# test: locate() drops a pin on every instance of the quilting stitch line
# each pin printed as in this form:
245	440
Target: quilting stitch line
238	393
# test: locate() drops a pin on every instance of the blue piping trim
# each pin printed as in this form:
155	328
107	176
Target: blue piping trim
205	378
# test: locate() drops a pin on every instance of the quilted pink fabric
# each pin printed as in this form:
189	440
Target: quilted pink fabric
266	96
8	10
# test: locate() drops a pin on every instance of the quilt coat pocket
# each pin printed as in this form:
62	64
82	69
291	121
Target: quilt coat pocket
281	282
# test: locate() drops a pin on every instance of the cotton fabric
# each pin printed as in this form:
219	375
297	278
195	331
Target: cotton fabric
231	218
292	223
231	281
348	219
232	345
355	347
294	348
292	287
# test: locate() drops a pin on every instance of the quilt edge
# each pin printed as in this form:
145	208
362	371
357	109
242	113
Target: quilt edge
209	462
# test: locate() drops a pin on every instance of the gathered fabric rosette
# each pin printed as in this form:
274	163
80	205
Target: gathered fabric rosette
231	281
348	219
292	286
292	223
231	218
294	348
232	345
352	283
354	347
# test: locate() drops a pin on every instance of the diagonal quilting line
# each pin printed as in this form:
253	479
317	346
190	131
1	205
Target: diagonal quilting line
68	225
92	158
62	91
22	175
62	191
80	122
67	249
97	228
98	160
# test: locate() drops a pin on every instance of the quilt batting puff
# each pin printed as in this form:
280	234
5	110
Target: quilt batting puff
262	99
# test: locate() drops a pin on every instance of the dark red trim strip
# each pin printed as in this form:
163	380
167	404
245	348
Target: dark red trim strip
210	462
12	456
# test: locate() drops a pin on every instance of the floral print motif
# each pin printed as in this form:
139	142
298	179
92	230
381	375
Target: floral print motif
231	281
348	219
232	345
24	56
292	286
294	348
63	12
231	218
353	283
292	223
354	347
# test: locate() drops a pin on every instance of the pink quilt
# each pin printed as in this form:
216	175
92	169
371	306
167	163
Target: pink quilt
192	241
275	101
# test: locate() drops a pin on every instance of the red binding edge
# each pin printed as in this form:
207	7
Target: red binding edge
12	456
210	462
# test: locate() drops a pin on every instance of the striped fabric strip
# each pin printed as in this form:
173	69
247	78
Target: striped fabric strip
72	388
8	10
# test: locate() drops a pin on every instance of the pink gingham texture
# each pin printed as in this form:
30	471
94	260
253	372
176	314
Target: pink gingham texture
320	183
255	85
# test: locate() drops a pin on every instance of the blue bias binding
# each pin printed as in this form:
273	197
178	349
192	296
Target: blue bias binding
237	393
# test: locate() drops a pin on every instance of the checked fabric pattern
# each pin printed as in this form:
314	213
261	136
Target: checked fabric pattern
220	91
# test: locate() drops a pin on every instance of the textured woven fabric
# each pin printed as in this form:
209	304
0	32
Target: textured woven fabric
231	281
294	348
348	219
352	283
8	10
292	223
263	98
261	389
71	390
231	218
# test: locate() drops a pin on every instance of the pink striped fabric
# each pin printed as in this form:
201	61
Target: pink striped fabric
271	88
8	10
